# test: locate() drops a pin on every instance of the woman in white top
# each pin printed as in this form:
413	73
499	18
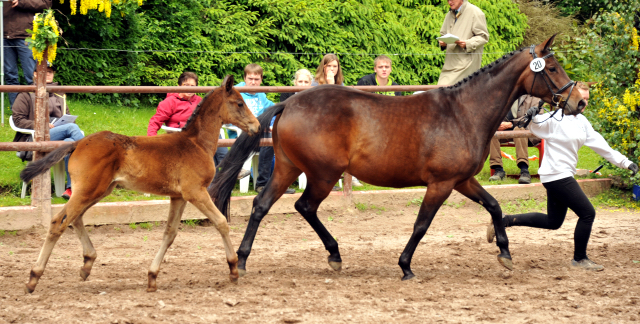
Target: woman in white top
564	135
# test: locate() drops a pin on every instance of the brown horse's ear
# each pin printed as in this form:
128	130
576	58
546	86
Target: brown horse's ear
549	42
227	83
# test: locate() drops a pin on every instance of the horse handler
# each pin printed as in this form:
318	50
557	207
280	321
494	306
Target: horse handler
564	135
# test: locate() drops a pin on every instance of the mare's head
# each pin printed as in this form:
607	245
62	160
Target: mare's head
547	80
235	111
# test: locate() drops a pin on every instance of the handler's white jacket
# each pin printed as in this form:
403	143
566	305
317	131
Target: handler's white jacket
563	138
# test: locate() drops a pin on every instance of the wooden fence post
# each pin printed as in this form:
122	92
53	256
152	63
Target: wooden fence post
41	187
346	187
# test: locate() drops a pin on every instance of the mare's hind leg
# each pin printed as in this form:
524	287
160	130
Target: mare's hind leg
88	252
170	232
474	191
436	194
283	176
202	201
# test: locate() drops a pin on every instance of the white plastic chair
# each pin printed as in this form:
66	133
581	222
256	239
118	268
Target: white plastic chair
250	164
58	168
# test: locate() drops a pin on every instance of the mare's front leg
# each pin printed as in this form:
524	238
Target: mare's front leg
474	191
283	175
436	194
175	214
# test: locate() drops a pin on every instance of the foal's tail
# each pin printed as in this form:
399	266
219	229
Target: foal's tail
225	180
35	168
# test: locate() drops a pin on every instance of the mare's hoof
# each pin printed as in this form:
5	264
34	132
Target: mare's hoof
152	289
84	275
337	266
242	272
408	276
29	290
233	279
506	262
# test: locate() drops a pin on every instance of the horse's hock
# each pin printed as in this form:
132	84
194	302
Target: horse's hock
24	217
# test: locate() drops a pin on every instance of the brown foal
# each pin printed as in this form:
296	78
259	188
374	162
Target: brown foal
178	165
439	139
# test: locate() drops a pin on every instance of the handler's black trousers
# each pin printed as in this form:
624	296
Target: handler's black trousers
562	194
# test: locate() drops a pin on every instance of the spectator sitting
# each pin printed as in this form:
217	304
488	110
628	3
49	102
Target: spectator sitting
175	110
302	78
24	116
257	103
463	57
18	17
329	71
382	69
519	108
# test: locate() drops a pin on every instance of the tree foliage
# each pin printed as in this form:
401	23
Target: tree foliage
215	38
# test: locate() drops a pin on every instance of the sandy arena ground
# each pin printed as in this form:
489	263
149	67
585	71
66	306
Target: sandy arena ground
458	279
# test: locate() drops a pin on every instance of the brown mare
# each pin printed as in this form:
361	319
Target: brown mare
439	138
178	165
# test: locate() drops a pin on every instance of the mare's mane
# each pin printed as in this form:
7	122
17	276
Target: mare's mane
195	112
486	69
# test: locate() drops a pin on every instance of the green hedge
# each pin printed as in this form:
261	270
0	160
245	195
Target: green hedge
245	30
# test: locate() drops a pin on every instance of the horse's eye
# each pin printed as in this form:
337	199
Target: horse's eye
552	69
240	104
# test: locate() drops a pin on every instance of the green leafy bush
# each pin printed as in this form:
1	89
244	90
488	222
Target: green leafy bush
607	52
215	38
544	19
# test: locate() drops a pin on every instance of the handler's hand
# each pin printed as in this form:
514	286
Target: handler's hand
14	3
442	44
505	125
51	126
634	168
462	44
533	111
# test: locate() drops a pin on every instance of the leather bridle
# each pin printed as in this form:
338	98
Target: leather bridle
557	98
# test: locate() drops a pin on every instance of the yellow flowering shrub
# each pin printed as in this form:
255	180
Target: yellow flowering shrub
44	36
100	5
617	119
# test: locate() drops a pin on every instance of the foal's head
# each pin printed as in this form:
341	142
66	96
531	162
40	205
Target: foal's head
546	79
235	111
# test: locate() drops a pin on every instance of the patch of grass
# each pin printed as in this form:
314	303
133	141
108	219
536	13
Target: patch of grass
192	222
361	206
330	218
1	232
616	198
416	201
521	206
133	226
145	238
147	225
116	228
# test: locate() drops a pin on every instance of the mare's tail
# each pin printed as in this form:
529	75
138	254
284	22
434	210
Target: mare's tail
38	167
225	180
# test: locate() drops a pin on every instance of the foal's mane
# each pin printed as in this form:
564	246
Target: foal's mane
486	69
196	111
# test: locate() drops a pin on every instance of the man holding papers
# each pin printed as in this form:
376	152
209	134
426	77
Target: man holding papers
464	33
24	115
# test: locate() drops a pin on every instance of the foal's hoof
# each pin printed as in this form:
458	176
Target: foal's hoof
337	266
506	262
408	276
84	275
242	272
29	290
152	289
